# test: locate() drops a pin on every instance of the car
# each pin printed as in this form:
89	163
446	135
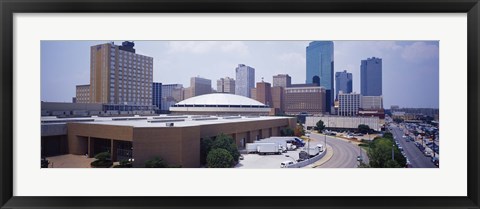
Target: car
285	164
359	158
241	157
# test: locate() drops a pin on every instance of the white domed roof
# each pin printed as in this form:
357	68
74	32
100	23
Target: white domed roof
220	99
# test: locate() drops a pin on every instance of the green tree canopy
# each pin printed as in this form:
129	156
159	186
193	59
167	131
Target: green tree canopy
388	135
320	126
228	143
380	154
299	130
156	162
364	129
286	132
219	158
102	156
205	147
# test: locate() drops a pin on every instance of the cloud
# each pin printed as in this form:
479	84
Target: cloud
202	47
293	58
420	52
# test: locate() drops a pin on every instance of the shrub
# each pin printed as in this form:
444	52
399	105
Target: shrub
219	158
156	162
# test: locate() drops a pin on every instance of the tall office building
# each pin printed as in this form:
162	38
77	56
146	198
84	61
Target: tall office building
278	99
118	75
171	94
349	104
244	80
343	82
200	86
283	80
157	95
371	77
82	94
320	65
226	85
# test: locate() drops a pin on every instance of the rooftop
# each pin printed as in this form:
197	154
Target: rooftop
220	99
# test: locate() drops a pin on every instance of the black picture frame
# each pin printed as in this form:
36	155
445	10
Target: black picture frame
10	7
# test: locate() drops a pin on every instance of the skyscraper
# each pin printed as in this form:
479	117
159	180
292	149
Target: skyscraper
157	95
244	80
200	86
120	76
320	63
264	93
371	77
226	85
82	94
171	94
343	82
283	80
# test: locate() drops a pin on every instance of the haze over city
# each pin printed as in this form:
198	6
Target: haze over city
410	68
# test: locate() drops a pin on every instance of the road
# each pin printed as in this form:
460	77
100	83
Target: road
414	155
345	153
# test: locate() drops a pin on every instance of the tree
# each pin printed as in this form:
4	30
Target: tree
102	160
388	135
380	154
364	129
156	162
219	158
299	131
228	143
320	126
287	132
205	147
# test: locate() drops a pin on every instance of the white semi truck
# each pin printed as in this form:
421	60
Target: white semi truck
268	148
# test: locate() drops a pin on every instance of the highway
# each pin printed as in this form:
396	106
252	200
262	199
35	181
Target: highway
345	153
414	155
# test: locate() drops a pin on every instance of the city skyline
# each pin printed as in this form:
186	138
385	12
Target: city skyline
410	65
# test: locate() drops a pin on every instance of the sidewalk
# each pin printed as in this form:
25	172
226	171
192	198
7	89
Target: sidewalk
324	159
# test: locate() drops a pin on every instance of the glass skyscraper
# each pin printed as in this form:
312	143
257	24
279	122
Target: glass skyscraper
371	77
320	63
343	82
245	80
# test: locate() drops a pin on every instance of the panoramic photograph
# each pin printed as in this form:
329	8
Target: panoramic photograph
239	104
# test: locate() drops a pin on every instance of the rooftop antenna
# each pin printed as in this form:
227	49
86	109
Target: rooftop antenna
262	79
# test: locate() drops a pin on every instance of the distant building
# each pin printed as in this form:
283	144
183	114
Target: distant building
74	99
283	80
343	82
320	65
278	99
344	123
200	86
349	104
309	99
264	93
244	80
371	102
157	95
226	85
82	94
171	94
371	77
119	76
253	93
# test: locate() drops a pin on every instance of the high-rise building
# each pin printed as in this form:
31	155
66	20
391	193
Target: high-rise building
264	93
320	65
305	99
283	80
226	85
349	104
200	86
371	102
343	82
371	77
157	95
118	75
171	94
244	80
82	94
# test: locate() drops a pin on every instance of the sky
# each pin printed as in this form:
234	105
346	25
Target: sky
410	68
